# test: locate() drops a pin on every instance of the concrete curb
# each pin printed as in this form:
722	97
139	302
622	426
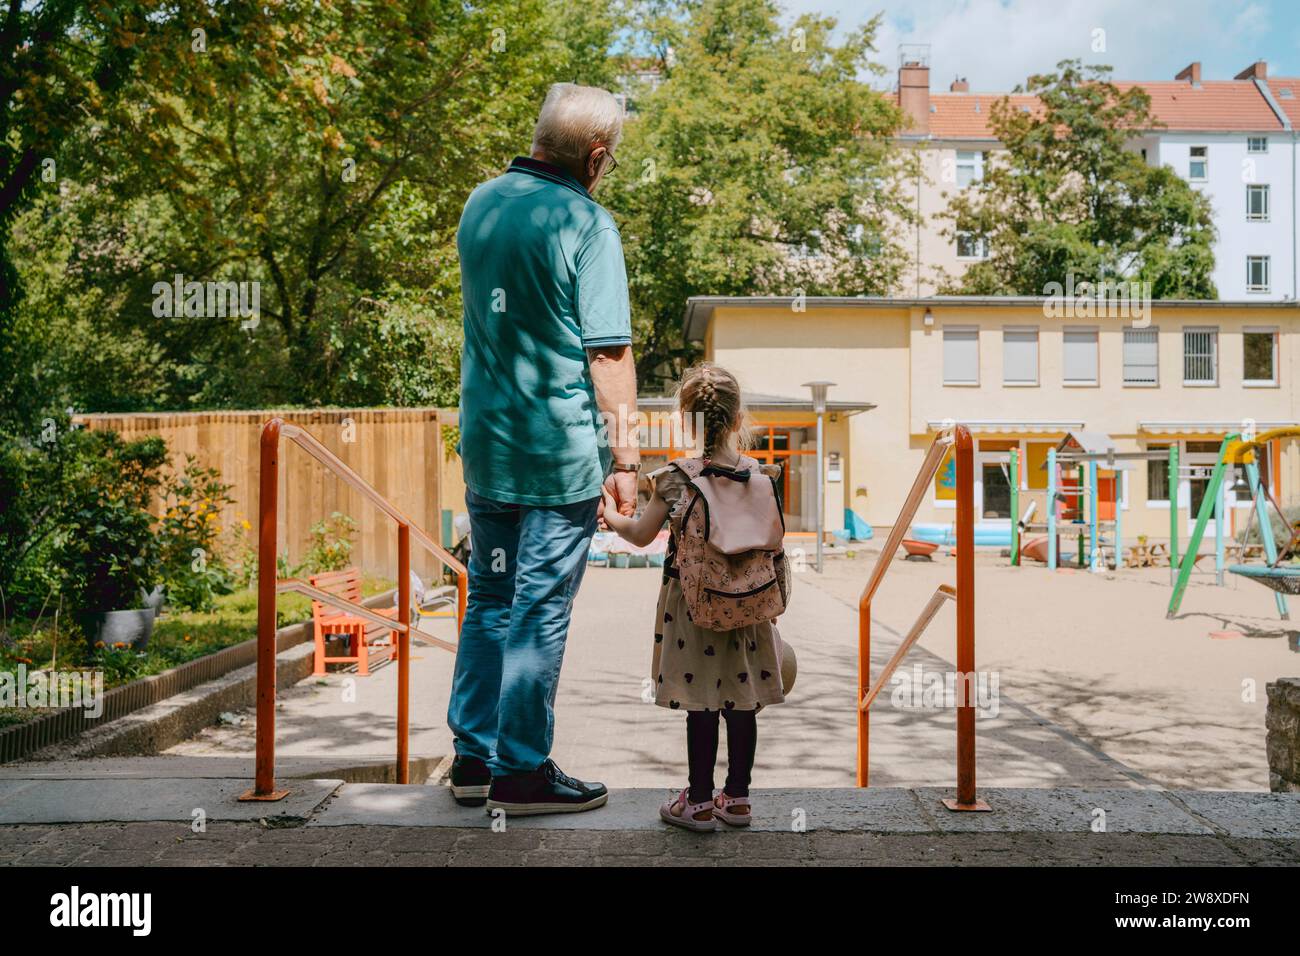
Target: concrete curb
24	802
875	810
153	729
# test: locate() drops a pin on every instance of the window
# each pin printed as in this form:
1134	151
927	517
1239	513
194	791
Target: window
972	247
1257	144
961	356
1259	347
1080	360
970	167
1142	356
1020	356
1200	356
1256	203
1198	164
1158	475
1257	273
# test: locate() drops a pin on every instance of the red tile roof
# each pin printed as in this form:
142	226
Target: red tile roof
1290	105
966	115
1214	106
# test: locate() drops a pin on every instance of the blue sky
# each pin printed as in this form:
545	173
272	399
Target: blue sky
997	43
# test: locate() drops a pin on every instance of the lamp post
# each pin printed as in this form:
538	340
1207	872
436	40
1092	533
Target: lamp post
819	389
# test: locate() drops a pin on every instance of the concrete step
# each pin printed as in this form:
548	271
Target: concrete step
334	803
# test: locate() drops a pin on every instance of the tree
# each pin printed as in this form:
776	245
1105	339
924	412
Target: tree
1070	196
760	164
323	154
62	63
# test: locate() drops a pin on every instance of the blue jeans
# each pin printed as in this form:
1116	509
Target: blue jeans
524	570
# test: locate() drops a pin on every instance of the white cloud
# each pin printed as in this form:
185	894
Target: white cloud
995	44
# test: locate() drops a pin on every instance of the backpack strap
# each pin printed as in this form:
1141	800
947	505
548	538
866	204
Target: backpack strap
690	467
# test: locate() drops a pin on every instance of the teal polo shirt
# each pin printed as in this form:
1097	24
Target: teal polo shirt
542	280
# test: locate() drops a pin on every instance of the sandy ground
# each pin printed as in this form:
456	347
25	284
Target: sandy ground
1094	686
1095	654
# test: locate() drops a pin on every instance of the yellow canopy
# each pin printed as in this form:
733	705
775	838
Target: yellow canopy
1240	451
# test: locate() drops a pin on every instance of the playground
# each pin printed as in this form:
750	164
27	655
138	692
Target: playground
1111	687
1081	679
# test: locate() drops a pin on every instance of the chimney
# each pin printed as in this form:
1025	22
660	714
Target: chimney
1256	71
914	94
1191	73
959	85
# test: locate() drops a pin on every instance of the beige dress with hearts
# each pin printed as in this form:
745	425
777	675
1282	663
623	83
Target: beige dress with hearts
694	668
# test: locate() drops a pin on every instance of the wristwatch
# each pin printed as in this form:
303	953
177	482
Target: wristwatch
627	466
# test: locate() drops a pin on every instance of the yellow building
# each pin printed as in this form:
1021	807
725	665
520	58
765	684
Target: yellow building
1022	373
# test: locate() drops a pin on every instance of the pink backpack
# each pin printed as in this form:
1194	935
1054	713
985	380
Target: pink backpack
728	551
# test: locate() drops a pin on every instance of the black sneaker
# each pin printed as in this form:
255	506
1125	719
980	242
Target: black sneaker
470	780
548	789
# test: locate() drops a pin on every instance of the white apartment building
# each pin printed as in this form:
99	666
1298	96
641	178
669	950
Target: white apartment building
1235	140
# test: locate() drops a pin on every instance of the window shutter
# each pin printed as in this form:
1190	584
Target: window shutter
961	356
1020	356
1080	363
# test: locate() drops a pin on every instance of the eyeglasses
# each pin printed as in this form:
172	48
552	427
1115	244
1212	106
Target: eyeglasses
613	163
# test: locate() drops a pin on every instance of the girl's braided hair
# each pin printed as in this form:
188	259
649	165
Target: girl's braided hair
713	394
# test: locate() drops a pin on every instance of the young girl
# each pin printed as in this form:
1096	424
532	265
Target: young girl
705	672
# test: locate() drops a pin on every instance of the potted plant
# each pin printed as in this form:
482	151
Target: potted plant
107	552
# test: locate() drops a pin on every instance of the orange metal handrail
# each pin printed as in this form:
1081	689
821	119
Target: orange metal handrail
268	586
958	439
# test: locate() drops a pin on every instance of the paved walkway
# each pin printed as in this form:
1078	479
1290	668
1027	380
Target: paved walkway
606	730
327	822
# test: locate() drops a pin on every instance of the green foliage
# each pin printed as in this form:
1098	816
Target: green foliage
329	545
761	164
64	65
1069	196
190	543
106	548
323	151
74	517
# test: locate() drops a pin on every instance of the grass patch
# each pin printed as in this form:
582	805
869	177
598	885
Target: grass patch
178	637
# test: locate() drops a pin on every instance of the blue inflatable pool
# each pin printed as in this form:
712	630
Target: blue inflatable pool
987	534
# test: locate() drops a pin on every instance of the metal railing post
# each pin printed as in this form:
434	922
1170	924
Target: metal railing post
268	586
403	638
864	684
966	676
267	533
462	599
958	439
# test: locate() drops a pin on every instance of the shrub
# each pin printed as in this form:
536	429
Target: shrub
330	544
189	537
80	500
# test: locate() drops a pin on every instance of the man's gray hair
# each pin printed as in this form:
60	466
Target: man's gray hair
573	118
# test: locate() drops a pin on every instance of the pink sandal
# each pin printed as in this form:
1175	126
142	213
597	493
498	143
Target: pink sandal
722	804
687	820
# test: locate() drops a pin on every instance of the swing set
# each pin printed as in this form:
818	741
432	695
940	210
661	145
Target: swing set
1279	573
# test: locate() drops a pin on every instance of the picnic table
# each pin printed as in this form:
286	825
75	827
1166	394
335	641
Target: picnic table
1157	555
1144	555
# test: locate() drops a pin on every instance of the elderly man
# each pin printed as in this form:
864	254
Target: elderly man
547	365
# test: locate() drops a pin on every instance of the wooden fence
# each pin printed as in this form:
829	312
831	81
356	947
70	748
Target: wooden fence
398	450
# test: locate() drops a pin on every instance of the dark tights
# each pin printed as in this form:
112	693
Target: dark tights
702	751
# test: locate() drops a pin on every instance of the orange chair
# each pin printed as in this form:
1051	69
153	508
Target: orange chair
328	621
